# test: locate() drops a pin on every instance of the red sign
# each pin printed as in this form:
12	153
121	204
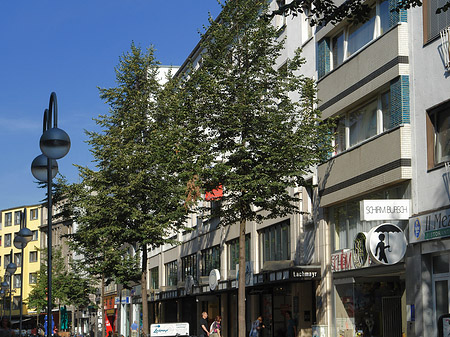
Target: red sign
342	261
215	194
108	325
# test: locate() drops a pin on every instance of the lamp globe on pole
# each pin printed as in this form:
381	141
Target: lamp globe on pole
39	168
11	268
26	234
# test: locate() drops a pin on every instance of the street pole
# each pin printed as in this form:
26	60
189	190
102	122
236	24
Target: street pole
54	144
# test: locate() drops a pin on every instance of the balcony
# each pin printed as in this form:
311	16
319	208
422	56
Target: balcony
368	70
381	161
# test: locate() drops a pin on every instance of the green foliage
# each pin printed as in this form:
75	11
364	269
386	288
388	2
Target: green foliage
68	287
260	132
134	196
323	12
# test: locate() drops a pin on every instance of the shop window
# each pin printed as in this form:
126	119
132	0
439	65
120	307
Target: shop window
154	278
369	120
438	135
7	240
189	266
33	214
346	217
171	273
275	242
210	260
441	277
433	23
8	219
233	252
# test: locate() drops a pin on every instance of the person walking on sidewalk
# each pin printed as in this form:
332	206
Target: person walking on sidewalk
203	326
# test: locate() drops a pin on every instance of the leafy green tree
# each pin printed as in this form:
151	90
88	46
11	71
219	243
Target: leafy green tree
260	132
134	196
323	12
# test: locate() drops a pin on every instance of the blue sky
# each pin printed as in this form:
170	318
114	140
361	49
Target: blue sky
71	47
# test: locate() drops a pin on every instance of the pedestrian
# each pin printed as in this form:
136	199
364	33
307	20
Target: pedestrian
203	326
291	327
5	328
216	327
256	327
134	329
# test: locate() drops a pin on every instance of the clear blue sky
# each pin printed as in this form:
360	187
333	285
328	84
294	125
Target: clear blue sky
71	47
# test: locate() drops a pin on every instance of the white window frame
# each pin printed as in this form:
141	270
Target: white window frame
346	30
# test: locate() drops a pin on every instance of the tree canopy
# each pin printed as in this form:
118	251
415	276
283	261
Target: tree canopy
323	12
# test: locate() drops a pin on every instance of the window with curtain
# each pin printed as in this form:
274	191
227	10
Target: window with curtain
275	242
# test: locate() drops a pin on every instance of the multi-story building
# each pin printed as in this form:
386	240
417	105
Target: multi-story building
371	254
27	265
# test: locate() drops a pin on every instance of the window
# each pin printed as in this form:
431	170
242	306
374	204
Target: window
171	273
17	217
275	242
438	134
189	266
33	214
17	281
18	259
8	219
154	278
33	256
33	278
306	24
16	302
280	20
7	259
345	217
233	252
433	23
363	123
210	260
7	240
353	37
35	236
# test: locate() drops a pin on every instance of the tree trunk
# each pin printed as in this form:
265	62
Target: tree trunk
102	303
145	323
241	281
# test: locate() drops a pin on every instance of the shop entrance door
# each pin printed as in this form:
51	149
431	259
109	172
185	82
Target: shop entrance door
441	290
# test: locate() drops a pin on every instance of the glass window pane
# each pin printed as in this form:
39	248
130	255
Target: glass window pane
340	135
441	293
338	49
386	109
363	123
440	264
443	136
359	35
384	16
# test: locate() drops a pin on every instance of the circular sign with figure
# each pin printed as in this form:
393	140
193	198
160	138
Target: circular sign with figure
386	244
214	277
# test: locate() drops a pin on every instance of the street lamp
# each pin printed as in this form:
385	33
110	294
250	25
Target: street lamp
11	269
54	144
4	288
20	242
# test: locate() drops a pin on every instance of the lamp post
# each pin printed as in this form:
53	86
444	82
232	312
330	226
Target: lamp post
20	242
4	288
54	144
11	269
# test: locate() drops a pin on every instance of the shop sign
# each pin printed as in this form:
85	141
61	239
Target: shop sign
386	244
342	260
430	226
385	209
125	300
169	329
305	274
